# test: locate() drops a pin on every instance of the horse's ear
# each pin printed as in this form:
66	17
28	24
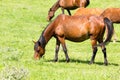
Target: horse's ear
39	43
34	42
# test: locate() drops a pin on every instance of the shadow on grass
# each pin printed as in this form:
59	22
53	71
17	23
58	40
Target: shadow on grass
82	61
115	41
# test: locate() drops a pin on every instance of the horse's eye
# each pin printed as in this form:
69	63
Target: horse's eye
38	51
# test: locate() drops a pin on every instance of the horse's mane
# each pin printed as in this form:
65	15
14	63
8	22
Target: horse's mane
42	40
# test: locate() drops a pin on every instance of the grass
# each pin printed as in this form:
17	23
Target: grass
22	21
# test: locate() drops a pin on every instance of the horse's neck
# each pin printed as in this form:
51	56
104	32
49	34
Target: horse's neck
46	35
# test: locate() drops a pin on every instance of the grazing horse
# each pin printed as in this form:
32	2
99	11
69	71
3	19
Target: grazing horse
68	5
76	29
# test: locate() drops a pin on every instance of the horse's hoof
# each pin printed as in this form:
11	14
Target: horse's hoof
106	64
55	60
68	60
90	63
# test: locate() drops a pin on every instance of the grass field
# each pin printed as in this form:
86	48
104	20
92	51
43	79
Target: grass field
22	21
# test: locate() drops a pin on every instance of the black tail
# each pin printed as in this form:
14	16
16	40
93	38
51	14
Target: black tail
110	29
88	2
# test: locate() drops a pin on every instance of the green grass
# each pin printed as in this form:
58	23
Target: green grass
22	21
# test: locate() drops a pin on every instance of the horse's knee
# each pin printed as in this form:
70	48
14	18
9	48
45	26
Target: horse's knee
65	50
56	50
104	50
95	50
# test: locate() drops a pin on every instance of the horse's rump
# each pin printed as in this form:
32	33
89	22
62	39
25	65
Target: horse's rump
112	13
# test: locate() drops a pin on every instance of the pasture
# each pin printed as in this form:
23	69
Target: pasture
22	21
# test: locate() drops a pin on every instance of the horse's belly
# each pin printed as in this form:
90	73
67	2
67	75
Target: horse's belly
67	4
78	39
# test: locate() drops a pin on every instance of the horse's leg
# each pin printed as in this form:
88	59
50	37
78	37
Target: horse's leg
62	41
104	52
52	10
114	36
62	10
93	42
68	12
105	55
65	51
57	50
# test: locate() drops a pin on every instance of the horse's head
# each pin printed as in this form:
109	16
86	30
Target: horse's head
50	14
38	50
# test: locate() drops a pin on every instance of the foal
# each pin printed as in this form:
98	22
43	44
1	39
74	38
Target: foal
76	29
68	5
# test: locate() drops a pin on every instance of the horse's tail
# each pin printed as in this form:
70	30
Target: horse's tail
110	28
87	3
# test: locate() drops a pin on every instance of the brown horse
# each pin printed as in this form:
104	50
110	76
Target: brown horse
111	13
114	15
68	5
76	29
88	11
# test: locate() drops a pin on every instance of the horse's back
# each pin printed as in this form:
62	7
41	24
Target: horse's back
71	27
88	11
113	14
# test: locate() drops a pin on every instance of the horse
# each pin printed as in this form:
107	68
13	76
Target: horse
88	11
68	5
114	15
111	13
75	29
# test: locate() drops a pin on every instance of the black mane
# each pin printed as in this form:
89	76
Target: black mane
42	40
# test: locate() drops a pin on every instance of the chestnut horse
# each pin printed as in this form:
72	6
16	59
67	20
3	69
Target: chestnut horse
68	5
114	15
88	11
111	13
76	29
